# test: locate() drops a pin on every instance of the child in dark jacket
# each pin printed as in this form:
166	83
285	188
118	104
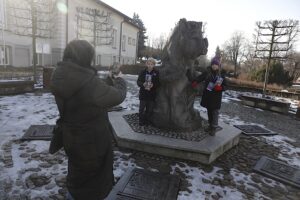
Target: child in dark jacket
148	81
212	94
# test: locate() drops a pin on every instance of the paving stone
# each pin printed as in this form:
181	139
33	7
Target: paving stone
215	197
45	165
207	181
24	155
60	197
50	186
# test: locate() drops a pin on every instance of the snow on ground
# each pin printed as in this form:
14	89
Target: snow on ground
21	170
289	153
196	176
122	163
20	111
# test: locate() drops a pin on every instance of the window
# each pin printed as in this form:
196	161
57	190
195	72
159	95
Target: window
129	40
39	57
4	55
98	61
123	42
2	15
114	39
133	42
114	59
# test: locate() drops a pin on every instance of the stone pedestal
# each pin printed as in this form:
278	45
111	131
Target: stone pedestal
204	151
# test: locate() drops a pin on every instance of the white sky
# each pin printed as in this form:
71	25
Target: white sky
223	17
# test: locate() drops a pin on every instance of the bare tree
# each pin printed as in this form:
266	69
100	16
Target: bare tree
275	40
249	60
94	26
293	65
234	49
33	18
159	43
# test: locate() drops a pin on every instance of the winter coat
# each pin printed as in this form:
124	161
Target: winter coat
211	99
144	94
83	99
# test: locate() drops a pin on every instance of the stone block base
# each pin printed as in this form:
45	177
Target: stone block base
266	104
204	151
10	87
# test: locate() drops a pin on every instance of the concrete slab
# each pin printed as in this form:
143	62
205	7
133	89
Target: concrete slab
204	151
266	104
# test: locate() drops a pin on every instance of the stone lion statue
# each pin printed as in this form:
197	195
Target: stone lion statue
175	97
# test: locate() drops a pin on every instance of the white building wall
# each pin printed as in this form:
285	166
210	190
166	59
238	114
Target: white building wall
58	40
129	52
14	36
20	47
59	32
108	53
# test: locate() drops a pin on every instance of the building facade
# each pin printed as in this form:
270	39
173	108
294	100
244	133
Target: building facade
56	22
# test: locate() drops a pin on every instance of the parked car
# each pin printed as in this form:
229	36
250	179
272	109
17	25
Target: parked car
158	63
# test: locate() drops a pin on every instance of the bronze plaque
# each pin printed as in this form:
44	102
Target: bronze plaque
253	130
279	171
38	132
145	185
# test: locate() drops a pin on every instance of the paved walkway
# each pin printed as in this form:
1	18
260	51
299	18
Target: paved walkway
286	125
31	173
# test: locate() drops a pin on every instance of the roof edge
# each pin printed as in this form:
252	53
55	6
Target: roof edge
126	18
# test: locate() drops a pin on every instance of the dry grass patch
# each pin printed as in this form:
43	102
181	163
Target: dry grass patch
253	84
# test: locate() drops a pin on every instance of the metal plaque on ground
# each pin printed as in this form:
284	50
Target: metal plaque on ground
254	130
278	171
140	184
38	132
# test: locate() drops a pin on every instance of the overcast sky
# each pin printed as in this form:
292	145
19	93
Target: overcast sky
223	17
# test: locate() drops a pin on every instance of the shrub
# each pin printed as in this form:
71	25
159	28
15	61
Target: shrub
252	84
277	74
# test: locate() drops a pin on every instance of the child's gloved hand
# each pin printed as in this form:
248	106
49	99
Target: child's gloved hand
194	84
218	88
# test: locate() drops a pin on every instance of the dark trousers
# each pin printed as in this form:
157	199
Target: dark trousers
213	117
145	111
